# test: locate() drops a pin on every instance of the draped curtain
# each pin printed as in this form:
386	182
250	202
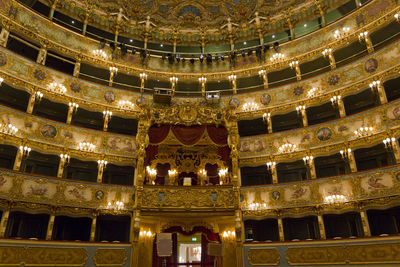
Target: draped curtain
188	135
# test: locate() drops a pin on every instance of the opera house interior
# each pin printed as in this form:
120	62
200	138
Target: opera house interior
199	133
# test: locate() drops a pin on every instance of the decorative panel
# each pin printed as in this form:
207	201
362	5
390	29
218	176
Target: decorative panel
263	256
110	257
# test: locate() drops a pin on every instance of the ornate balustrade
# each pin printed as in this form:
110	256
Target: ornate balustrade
53	137
50	253
376	188
31	25
322	139
38	192
360	251
199	198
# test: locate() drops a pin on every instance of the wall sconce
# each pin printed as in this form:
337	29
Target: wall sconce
173	80
341	33
126	104
143	77
1	80
375	84
113	70
308	160
261	73
300	108
107	114
312	92
270	165
8	129
229	234
335	99
73	106
25	150
335	198
250	106
345	153
115	205
277	57
266	116
100	54
294	64
257	206
363	131
86	146
202	81
287	148
232	79
65	157
327	52
57	88
223	172
363	36
172	172
152	173
397	17
38	96
145	234
389	142
102	163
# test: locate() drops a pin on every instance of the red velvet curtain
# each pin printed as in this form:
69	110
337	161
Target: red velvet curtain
224	152
218	135
188	135
151	152
158	133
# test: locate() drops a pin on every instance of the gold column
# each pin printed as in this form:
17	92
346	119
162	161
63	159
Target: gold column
61	166
382	93
332	61
5	33
142	141
321	226
85	23
239	237
52	9
93	228
105	124
134	238
100	171
50	227
313	172
41	58
3	222
396	150
364	220
291	28
233	142
321	12
77	68
116	33
274	174
280	228
304	117
342	110
352	162
18	160
31	103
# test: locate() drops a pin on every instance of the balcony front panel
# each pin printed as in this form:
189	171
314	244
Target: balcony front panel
372	188
322	138
360	252
19	187
47	132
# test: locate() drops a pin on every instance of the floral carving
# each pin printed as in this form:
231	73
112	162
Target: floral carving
298	90
39	75
333	79
75	87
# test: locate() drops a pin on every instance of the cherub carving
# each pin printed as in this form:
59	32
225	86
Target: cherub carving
148	24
